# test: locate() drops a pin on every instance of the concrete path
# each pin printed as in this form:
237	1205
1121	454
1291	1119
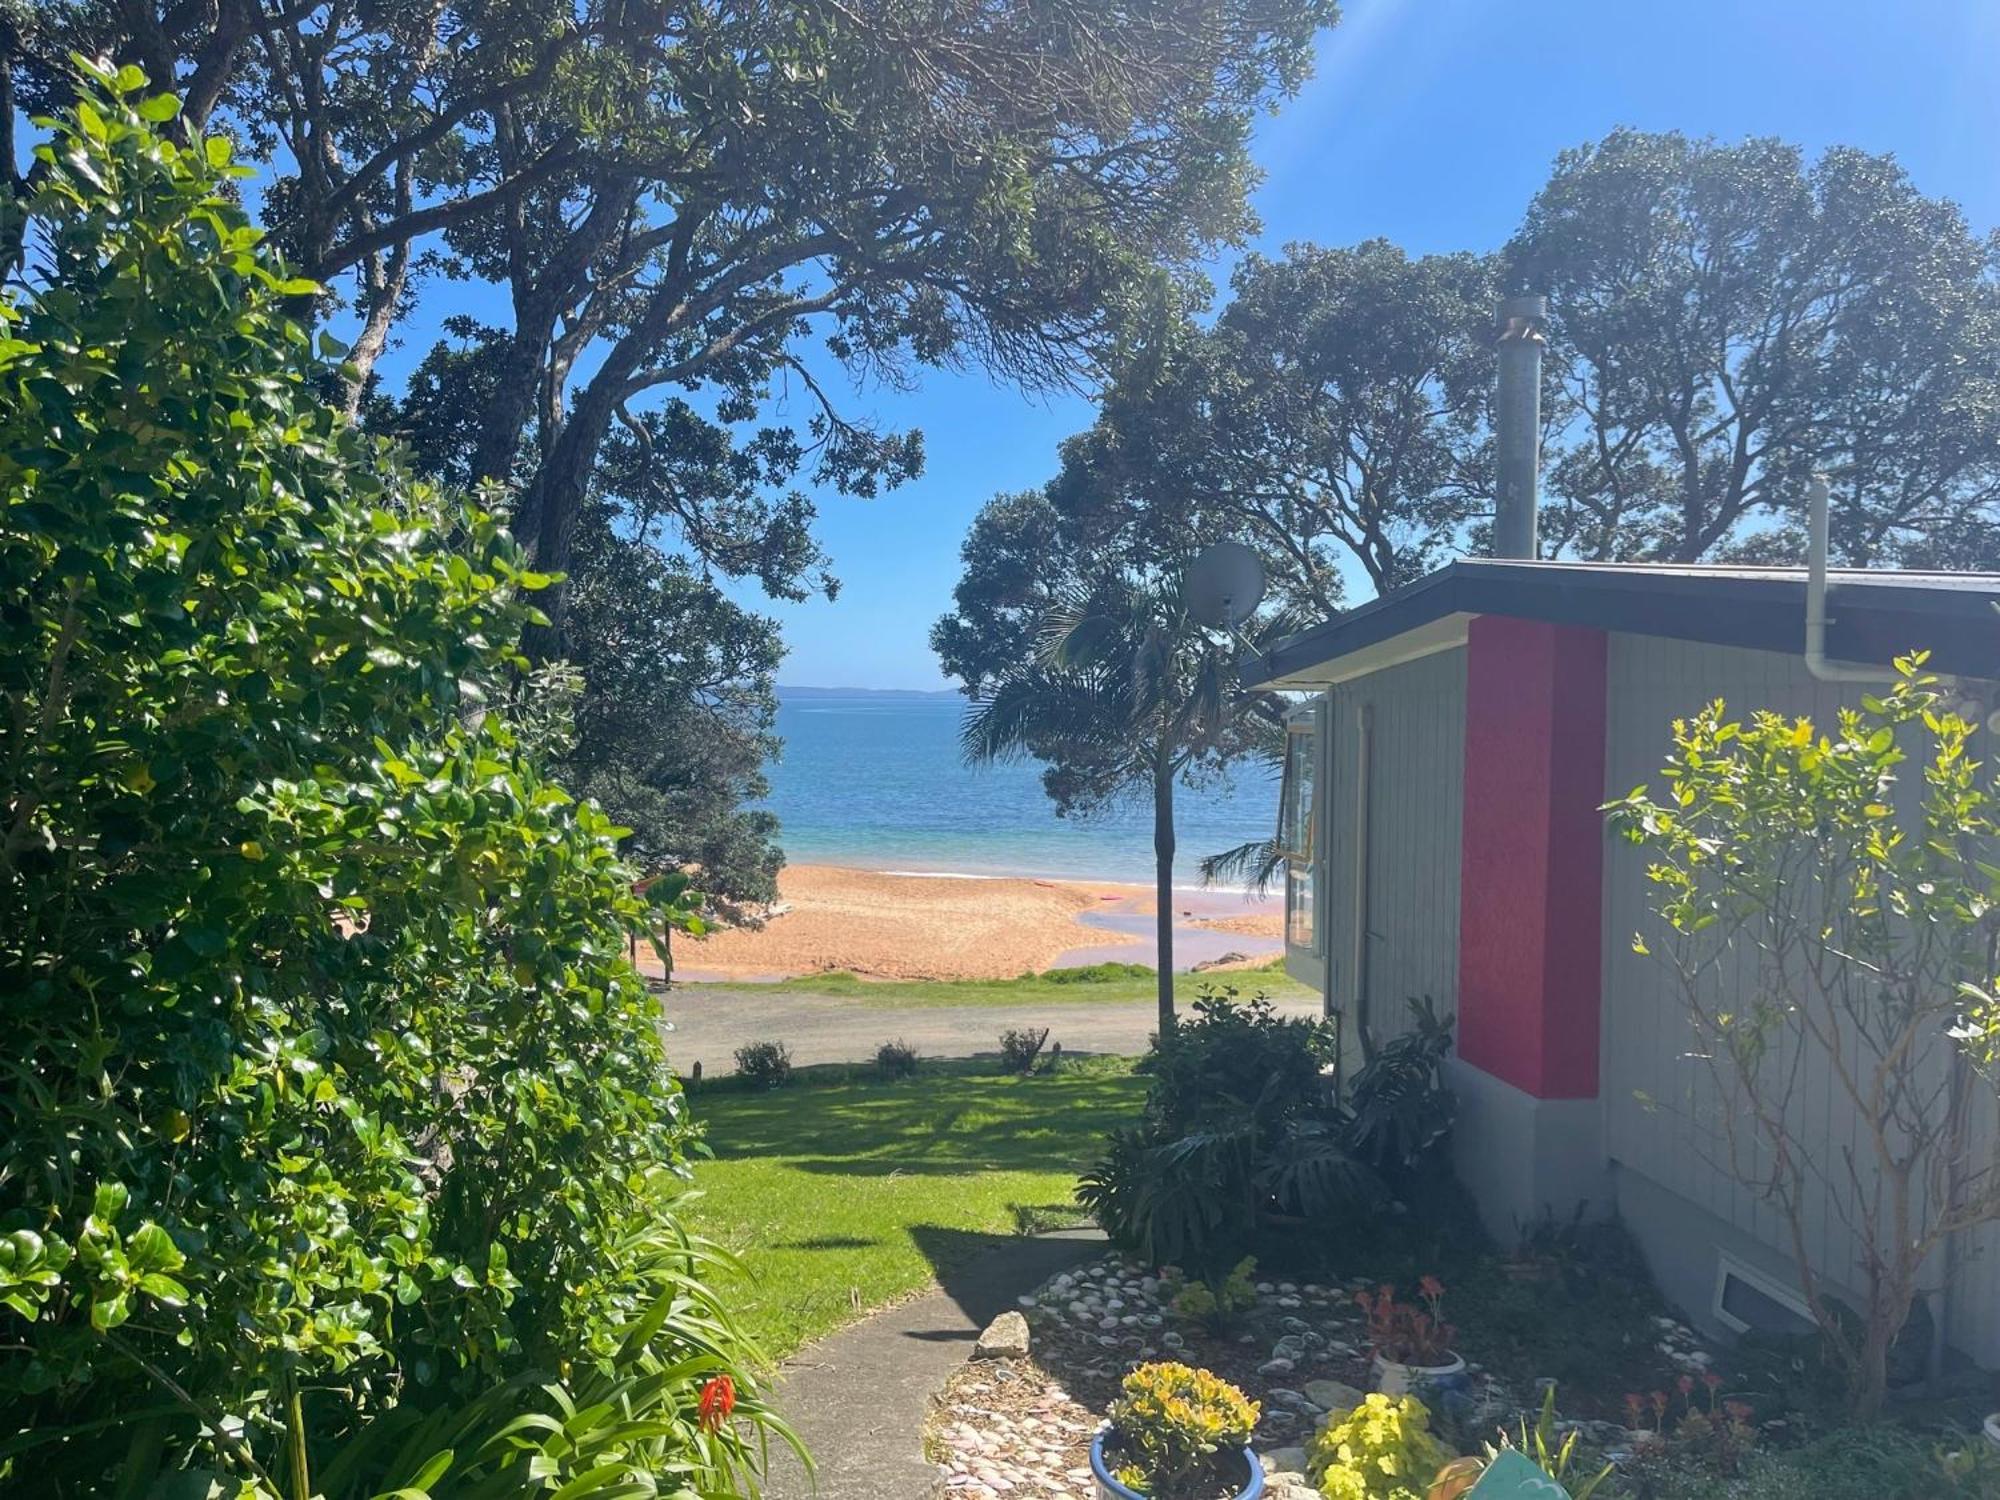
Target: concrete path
708	1027
858	1397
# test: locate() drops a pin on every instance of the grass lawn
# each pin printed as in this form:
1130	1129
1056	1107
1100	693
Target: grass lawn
1124	982
843	1192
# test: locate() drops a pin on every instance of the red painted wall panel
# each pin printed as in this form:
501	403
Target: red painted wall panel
1531	880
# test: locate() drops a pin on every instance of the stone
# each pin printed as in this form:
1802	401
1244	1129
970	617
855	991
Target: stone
1284	1461
1109	1323
1332	1395
1279	1366
1173	1340
1006	1337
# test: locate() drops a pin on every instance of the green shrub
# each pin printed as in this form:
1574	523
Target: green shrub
896	1059
768	1063
1240	1125
1380	1450
1399	1110
1218	1303
1177	1426
1236	1052
1020	1047
329	1098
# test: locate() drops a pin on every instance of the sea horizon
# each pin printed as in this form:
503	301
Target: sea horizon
873	779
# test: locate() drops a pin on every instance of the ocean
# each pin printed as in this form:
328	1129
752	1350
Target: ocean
875	780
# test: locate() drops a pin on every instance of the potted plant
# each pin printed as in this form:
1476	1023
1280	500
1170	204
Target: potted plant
1177	1433
1412	1341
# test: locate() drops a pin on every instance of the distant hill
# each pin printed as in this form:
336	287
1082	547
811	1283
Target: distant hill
807	694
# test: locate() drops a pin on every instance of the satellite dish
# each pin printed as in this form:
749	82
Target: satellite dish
1225	585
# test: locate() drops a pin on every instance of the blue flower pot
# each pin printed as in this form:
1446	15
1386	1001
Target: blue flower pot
1110	1489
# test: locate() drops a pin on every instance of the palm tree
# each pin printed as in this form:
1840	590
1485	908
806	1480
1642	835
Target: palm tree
1124	693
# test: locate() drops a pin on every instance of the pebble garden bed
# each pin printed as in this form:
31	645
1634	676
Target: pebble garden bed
1022	1427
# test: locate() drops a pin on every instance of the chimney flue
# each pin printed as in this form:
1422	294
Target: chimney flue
1519	325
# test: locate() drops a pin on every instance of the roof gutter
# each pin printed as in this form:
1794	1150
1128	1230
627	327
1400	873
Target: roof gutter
1816	618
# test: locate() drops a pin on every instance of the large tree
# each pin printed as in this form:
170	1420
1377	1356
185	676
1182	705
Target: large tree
691	217
667	193
1333	417
1729	318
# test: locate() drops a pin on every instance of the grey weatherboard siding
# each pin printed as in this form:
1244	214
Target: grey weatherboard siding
1660	1105
1415	794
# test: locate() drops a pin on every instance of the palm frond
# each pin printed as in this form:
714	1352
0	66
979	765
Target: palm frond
1255	865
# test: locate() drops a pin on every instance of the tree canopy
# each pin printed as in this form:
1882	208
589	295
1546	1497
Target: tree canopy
1729	319
691	219
1726	321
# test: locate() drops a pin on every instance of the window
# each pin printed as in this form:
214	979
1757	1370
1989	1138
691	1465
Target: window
1746	1300
1297	817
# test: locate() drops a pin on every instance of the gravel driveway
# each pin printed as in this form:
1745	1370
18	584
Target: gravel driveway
709	1027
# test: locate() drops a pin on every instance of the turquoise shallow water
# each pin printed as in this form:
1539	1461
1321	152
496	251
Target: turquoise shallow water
876	780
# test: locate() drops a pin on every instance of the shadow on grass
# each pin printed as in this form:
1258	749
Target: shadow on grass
946	1123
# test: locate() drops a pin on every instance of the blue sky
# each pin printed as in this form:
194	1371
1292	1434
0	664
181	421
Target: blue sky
1432	122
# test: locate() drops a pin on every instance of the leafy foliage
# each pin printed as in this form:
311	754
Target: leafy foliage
1410	1333
1090	662
1177	1426
897	1059
1729	319
1400	1110
1218	1304
765	1063
1240	1127
1867	930
329	1098
1020	1046
690	229
1380	1450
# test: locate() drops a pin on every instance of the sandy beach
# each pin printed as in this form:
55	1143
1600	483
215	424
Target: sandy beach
890	926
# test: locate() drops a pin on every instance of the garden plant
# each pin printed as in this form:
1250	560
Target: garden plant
338	1150
1820	936
1242	1127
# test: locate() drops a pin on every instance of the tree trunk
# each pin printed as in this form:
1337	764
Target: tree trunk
1163	884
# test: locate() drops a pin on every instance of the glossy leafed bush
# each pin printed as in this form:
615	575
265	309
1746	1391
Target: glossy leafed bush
328	1091
1176	1424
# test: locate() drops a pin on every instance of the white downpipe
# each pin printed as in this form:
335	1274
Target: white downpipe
1816	550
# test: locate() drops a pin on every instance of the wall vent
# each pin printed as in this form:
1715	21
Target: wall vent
1749	1301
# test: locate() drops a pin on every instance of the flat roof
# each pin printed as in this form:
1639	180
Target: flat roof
1872	617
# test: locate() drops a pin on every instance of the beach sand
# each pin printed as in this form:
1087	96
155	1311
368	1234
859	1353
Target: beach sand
940	927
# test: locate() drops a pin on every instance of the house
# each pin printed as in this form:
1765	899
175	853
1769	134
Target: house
1441	813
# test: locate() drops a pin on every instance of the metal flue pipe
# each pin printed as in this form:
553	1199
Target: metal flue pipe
1817	546
1520	333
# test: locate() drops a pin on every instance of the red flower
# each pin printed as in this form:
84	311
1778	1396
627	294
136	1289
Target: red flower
1685	1385
718	1400
1633	1404
1711	1379
1430	1286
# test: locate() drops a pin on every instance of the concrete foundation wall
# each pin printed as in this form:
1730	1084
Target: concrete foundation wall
1519	1156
